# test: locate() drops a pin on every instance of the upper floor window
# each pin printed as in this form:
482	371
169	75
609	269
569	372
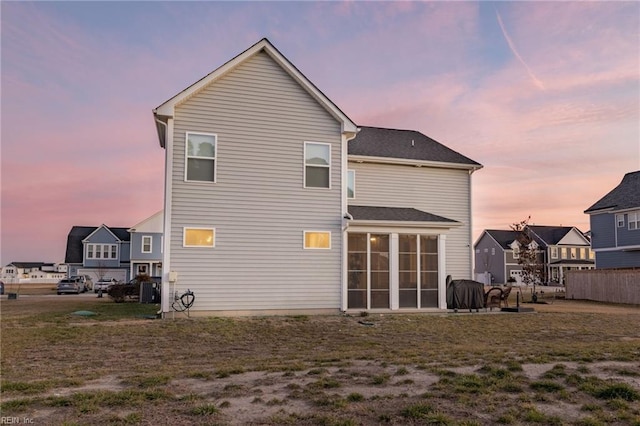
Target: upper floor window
317	165
583	253
146	243
620	220
592	254
351	184
563	252
102	251
554	252
634	220
200	157
573	252
199	237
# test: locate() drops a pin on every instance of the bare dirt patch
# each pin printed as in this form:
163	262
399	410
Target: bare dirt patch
567	363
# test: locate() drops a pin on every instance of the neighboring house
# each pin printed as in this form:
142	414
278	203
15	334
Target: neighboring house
561	248
98	252
38	270
275	201
615	225
146	247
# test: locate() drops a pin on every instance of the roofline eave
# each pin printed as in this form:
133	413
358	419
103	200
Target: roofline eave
415	163
403	223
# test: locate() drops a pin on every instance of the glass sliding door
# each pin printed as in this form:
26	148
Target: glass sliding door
357	271
408	270
379	270
428	271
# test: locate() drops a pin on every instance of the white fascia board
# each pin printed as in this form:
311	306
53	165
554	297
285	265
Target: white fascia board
415	163
167	109
402	224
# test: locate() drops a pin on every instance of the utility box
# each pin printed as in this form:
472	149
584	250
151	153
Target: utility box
149	292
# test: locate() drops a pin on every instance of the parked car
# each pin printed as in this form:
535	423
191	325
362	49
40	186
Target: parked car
69	285
103	284
85	281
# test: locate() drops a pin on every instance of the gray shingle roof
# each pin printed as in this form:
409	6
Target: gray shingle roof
404	144
624	196
401	214
550	235
28	264
504	238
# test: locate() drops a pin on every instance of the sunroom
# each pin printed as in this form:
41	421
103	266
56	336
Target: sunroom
395	259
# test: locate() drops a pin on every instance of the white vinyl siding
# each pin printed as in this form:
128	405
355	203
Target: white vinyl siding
444	192
259	205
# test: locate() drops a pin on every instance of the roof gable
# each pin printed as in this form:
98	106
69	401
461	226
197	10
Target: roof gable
153	223
575	238
118	234
554	235
624	196
167	109
405	145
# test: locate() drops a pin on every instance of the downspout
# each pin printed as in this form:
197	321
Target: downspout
166	228
346	137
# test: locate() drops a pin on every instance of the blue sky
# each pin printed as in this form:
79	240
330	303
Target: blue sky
544	94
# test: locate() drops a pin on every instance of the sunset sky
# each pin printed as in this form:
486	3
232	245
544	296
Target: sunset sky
546	95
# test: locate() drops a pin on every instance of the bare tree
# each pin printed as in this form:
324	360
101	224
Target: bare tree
528	255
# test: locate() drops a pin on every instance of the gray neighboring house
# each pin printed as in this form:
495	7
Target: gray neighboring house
146	246
276	202
615	225
101	251
561	249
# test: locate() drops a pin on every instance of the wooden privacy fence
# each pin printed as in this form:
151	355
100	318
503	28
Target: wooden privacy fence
605	285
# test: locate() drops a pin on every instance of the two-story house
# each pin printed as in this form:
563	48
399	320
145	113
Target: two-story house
276	201
120	253
615	225
99	252
146	247
561	249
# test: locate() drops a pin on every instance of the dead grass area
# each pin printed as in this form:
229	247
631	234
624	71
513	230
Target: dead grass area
568	363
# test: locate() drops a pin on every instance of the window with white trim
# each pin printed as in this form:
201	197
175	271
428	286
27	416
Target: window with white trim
102	251
620	220
200	157
573	252
147	241
317	240
317	165
583	253
634	220
554	252
351	184
199	237
563	252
